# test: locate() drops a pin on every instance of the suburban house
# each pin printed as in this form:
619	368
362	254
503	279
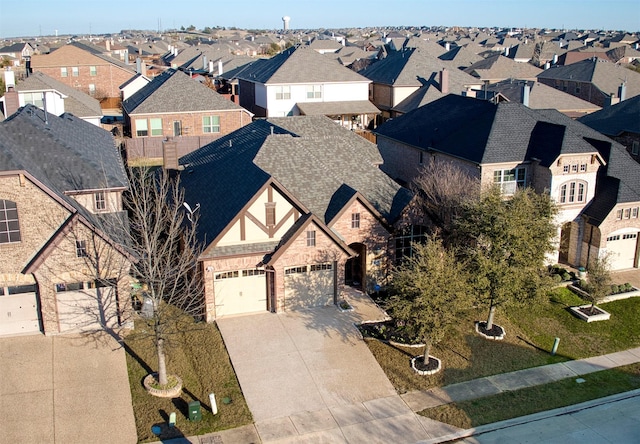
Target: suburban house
290	211
537	96
595	80
300	81
514	146
621	122
98	75
498	67
61	185
17	53
175	105
402	73
39	89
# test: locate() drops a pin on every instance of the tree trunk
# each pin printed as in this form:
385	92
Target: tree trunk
492	313
427	350
162	365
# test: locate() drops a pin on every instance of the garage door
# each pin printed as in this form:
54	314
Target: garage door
622	250
19	312
309	286
82	309
240	292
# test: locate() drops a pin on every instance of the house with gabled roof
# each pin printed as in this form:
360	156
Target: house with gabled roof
290	210
498	67
39	89
513	146
173	104
61	212
17	52
595	80
300	81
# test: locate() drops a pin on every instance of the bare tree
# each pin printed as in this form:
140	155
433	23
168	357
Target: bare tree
163	239
442	189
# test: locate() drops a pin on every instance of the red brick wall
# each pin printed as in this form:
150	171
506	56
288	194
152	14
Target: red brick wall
192	122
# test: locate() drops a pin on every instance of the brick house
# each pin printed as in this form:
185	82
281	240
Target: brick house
61	182
95	74
173	105
280	231
595	80
590	177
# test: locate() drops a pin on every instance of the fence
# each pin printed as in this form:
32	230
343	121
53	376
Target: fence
151	147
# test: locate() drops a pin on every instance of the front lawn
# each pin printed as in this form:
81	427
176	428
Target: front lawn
527	401
199	357
530	333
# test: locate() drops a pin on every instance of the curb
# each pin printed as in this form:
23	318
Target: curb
532	418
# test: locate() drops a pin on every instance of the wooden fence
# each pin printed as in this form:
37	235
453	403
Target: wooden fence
141	148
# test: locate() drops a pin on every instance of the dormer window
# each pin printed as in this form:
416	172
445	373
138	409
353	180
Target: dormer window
100	201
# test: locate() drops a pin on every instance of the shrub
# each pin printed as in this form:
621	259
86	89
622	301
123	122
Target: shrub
557	278
614	289
583	284
565	276
628	287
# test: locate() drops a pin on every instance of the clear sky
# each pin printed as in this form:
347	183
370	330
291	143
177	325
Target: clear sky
44	17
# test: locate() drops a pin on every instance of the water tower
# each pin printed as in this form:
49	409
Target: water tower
285	22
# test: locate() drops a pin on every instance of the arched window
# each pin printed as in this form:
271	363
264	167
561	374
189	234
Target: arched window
573	192
9	226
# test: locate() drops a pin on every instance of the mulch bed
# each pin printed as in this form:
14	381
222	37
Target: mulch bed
495	330
431	365
589	311
387	331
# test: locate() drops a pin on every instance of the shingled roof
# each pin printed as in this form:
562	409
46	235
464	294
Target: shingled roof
299	64
175	91
311	157
76	102
616	119
408	67
484	133
501	67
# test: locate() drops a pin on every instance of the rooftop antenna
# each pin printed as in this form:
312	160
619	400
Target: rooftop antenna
44	106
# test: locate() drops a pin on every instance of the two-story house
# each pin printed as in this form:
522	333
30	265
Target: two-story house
290	211
513	146
300	81
61	186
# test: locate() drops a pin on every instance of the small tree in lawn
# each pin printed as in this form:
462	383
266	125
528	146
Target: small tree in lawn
506	241
163	238
429	291
598	282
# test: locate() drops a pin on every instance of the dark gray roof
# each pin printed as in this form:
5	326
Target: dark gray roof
409	67
310	156
483	133
175	91
77	103
616	119
299	64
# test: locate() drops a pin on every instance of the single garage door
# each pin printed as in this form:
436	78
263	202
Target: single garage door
82	308
309	286
622	250
240	292
19	310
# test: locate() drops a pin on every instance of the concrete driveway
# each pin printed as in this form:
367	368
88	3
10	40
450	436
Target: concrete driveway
307	376
64	389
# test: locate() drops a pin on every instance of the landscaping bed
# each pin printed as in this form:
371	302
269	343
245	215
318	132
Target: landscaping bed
198	356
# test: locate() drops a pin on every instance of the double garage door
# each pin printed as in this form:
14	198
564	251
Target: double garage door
240	291
622	250
309	286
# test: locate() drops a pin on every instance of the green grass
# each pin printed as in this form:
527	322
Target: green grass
530	333
199	357
531	400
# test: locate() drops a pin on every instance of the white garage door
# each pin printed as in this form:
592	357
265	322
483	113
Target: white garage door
240	292
622	250
86	309
19	313
309	286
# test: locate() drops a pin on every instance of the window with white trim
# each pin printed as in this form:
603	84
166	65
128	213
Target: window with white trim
75	71
227	275
634	212
156	126
314	91
565	169
320	267
211	124
252	272
627	213
619	214
355	220
583	167
510	180
9	223
100	201
574	168
311	238
63	72
93	71
81	248
34	99
283	92
573	192
142	130
294	270
92	89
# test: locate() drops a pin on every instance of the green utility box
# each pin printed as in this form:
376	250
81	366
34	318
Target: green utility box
195	411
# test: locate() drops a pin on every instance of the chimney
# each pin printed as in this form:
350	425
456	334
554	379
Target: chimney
506	52
447	46
210	66
622	91
138	65
205	64
444	81
170	154
220	69
107	44
611	100
469	92
9	79
554	60
547	65
11	101
526	89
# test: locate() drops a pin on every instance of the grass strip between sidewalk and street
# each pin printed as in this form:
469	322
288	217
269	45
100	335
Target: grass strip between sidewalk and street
513	404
